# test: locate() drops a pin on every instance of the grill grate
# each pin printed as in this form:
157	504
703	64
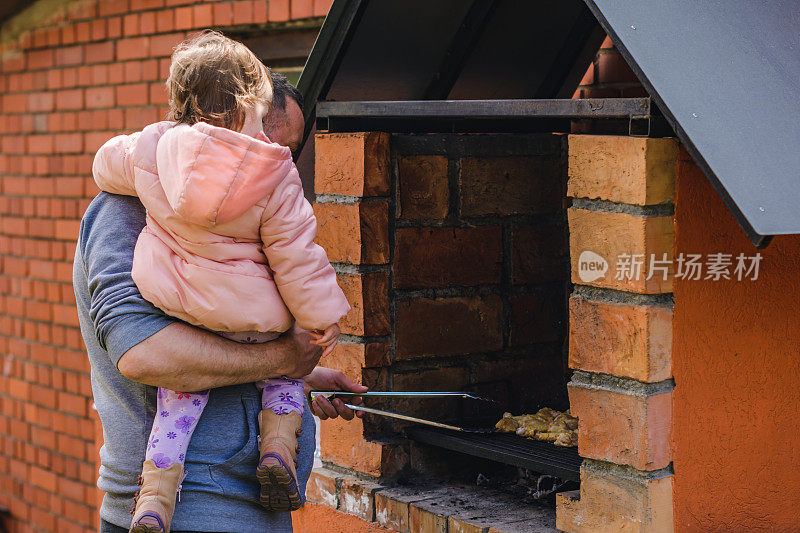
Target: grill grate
542	457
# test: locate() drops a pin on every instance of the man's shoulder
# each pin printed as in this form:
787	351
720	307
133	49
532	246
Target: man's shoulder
108	214
123	209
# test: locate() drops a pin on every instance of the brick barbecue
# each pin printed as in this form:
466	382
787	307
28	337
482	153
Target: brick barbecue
458	280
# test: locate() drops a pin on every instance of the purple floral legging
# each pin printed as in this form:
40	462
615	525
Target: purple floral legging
177	413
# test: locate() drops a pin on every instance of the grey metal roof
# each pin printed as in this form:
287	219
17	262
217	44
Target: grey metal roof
457	49
725	73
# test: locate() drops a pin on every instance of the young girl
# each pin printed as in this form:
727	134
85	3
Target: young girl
228	246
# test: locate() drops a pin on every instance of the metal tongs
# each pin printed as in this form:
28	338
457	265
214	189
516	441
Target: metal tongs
335	394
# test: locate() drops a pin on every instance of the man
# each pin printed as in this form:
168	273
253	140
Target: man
134	347
285	125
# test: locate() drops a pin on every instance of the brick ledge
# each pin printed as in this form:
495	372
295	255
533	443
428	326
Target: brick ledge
433	507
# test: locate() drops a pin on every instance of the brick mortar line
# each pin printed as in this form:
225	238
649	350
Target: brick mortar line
45	322
63	368
339	470
36	257
453	176
26	317
627	472
60	369
622	297
77	66
401	294
506	284
426	362
46	365
458	291
611	383
28	360
276	26
349	268
517	221
57	452
457	146
60	346
49	197
49	510
347	200
45	406
41	219
43	385
605	206
54	410
75	110
33	298
347	338
394	207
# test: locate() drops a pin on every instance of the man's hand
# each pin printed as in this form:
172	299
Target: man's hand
305	354
328	379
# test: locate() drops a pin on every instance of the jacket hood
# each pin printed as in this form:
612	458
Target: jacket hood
213	175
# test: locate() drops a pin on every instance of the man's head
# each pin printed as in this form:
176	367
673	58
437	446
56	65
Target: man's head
285	124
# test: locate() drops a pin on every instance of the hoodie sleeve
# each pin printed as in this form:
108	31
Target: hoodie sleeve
113	168
305	278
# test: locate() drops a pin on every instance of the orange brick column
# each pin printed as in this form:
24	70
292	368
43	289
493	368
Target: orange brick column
352	185
621	248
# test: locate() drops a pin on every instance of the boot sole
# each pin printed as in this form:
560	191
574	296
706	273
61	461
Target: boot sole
145	528
279	490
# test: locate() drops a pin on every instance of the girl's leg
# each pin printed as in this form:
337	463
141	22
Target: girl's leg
177	414
279	426
282	395
162	471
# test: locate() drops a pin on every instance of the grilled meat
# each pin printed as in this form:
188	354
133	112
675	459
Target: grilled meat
546	425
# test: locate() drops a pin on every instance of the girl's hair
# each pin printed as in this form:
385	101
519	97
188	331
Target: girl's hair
214	79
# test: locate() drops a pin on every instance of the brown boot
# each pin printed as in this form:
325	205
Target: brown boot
278	460
155	501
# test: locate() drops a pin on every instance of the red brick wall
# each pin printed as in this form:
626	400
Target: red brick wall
453	251
92	70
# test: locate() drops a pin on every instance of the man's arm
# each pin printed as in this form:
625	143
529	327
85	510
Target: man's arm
149	346
184	358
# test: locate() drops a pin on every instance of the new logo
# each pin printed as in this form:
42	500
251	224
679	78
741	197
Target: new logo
591	266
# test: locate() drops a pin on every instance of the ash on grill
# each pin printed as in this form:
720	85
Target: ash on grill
528	485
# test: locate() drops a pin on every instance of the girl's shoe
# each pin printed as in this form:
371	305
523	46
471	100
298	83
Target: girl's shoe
278	461
155	501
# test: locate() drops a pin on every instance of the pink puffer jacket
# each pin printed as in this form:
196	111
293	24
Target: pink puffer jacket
229	241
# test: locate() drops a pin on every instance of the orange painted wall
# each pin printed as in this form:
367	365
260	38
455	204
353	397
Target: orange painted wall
736	362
